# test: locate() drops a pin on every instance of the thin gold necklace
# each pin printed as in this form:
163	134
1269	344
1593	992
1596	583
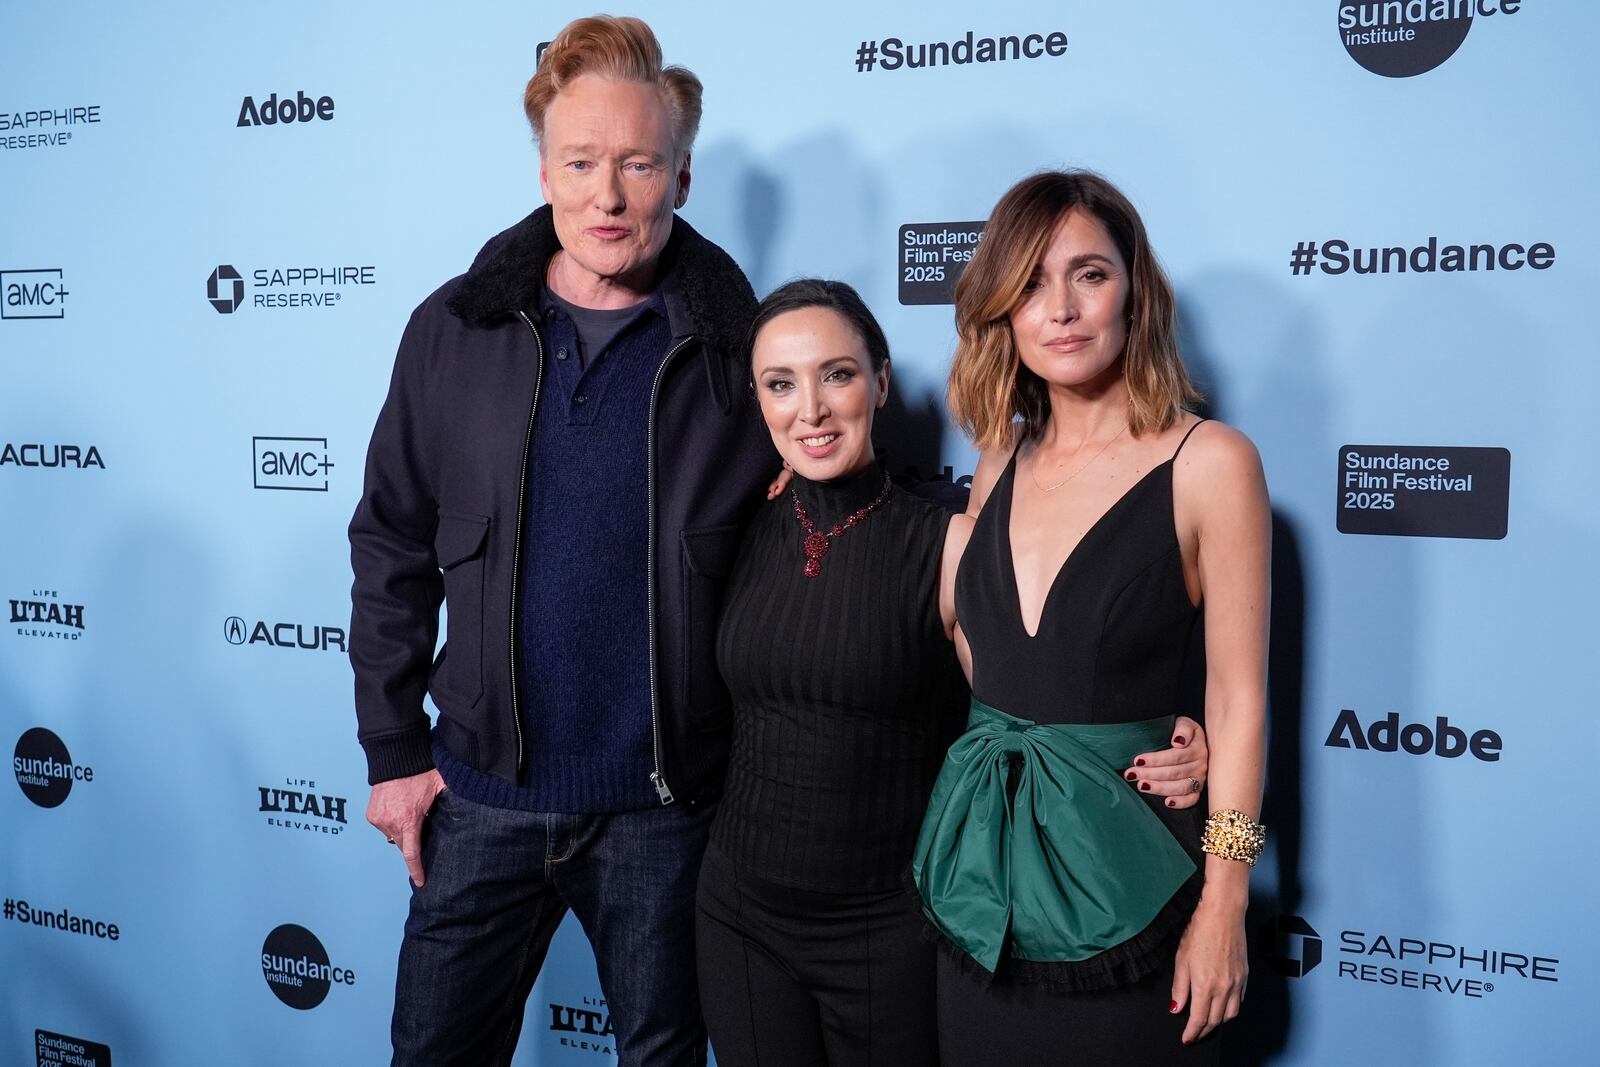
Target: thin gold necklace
1034	474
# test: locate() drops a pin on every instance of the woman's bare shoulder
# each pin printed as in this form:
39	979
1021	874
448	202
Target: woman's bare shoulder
1216	450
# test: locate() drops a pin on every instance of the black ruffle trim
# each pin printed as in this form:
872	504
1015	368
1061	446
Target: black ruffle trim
1120	965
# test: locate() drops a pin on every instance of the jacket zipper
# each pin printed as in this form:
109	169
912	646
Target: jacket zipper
516	557
657	778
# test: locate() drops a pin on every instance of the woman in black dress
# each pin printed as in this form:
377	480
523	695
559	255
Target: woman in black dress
835	643
1085	927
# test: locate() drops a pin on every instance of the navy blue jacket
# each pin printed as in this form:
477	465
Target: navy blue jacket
441	510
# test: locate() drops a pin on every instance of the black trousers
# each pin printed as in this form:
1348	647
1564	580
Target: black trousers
790	977
1012	1023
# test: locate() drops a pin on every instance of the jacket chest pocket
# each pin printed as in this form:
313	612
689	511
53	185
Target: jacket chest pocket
459	546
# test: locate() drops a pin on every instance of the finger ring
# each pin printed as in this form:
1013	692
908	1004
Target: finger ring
389	839
1194	785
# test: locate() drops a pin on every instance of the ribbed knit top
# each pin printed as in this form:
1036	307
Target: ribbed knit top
846	692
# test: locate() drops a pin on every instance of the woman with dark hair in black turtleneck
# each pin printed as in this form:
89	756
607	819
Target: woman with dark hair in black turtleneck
835	644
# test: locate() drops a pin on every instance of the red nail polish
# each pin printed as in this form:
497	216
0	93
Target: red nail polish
1130	776
1145	786
1138	763
1173	1007
1180	741
1171	803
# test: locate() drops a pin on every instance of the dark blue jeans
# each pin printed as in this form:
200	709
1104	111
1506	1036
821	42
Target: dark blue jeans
498	884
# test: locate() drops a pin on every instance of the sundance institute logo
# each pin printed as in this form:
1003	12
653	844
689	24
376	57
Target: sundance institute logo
1404	38
44	768
297	969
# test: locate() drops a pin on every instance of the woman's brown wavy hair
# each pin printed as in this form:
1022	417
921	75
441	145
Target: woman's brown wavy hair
989	386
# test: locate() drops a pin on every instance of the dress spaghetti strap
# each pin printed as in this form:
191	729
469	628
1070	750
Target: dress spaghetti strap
1185	440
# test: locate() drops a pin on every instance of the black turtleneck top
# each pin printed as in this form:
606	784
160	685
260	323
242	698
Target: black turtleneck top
846	692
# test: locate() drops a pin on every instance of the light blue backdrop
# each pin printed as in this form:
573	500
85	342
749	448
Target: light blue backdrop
1240	130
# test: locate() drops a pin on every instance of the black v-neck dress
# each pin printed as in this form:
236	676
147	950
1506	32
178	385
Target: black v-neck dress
1112	637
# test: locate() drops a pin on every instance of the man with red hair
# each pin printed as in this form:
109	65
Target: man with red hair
564	459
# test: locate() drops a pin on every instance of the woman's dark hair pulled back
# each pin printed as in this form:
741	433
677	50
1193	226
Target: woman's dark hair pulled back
821	293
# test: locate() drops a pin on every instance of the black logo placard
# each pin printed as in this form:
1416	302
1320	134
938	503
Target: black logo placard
1424	491
931	256
79	1052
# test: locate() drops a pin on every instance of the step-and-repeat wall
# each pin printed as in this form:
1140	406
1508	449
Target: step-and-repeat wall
1379	221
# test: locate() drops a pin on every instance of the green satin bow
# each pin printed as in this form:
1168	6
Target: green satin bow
1074	864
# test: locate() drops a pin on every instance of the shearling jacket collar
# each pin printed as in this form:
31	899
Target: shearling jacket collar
706	293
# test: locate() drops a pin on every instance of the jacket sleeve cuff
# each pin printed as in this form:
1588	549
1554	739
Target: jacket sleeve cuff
398	755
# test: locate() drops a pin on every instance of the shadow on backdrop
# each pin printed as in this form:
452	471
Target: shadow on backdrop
1261	1032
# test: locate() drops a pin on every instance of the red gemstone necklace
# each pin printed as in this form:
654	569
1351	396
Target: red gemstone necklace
817	541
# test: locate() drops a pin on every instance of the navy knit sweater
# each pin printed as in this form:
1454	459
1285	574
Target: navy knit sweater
583	626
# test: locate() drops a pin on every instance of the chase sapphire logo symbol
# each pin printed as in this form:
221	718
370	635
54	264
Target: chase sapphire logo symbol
225	290
234	630
1290	946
